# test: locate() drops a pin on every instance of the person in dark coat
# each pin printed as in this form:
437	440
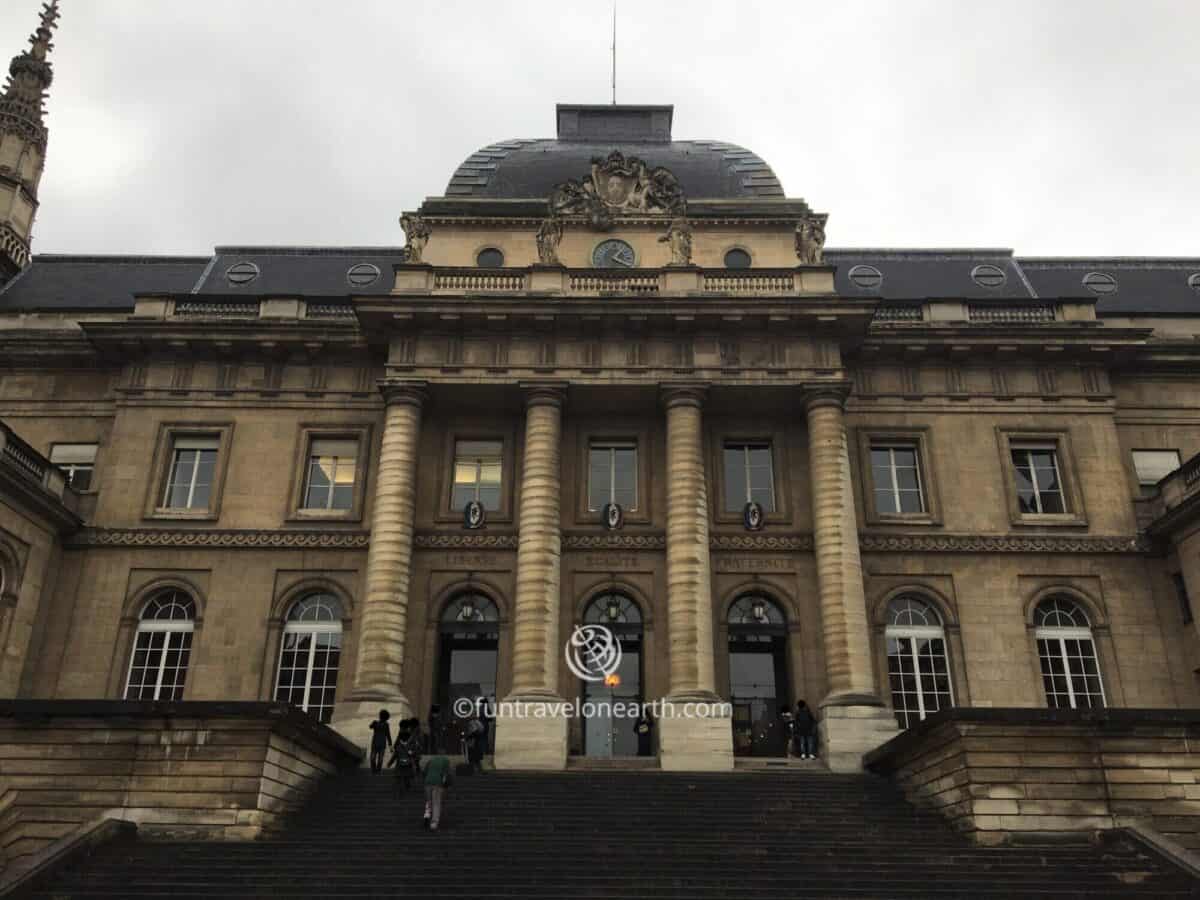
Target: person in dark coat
644	729
381	739
406	752
804	729
435	735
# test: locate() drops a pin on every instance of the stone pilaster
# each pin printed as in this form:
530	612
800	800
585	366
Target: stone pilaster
379	662
690	739
853	718
532	732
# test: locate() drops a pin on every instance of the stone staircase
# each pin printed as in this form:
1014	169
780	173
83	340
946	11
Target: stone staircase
620	835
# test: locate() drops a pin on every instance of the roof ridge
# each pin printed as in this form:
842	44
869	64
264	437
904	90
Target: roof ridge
143	258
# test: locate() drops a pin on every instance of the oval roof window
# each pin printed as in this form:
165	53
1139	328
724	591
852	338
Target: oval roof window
1100	283
988	276
1194	282
241	273
362	274
737	258
866	277
490	258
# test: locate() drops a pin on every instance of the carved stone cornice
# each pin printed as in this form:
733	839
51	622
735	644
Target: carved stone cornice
250	539
437	540
738	542
1004	543
614	541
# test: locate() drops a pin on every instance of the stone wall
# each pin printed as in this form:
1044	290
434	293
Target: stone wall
215	771
1012	774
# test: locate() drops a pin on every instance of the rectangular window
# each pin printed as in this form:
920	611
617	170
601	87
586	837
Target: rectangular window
748	477
612	476
896	473
190	480
477	474
1154	465
332	467
1185	602
77	462
1039	486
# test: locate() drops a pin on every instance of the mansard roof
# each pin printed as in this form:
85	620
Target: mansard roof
1143	286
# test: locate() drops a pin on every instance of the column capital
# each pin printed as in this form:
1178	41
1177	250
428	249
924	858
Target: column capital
403	391
683	393
544	393
827	393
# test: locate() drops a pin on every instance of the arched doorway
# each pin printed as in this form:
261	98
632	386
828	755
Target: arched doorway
605	734
468	652
758	679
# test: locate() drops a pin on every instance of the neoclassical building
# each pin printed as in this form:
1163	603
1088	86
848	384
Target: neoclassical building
612	377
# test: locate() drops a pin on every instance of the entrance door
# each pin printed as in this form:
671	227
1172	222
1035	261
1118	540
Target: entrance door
758	676
469	641
605	734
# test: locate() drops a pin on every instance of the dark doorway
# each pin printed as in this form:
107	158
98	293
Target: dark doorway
468	652
758	676
606	735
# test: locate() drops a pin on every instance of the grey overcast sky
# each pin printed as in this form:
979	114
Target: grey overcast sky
1054	127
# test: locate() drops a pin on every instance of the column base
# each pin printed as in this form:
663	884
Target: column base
695	734
352	718
531	733
848	730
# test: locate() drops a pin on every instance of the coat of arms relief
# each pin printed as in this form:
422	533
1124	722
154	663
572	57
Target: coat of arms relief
619	185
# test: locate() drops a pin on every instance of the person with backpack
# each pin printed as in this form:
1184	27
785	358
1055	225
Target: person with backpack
438	777
381	739
474	736
406	752
804	728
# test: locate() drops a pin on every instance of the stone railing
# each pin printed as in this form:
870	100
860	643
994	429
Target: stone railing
747	281
217	309
329	311
1017	774
899	313
1174	491
189	770
1005	315
599	281
28	466
477	280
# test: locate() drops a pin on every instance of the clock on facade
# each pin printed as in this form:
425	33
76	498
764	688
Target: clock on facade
613	254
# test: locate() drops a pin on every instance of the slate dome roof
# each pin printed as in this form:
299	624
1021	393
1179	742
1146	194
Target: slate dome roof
532	168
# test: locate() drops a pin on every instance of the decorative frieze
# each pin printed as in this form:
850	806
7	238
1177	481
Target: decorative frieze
614	541
250	539
1003	543
430	540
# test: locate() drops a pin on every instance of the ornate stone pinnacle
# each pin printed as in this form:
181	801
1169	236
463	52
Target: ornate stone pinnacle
30	74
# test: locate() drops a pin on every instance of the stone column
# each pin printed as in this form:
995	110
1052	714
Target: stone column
383	628
854	719
531	727
694	732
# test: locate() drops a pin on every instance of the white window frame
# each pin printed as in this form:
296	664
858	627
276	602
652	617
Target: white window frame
916	633
1053	448
69	468
744	447
1060	634
314	628
312	457
200	445
894	487
478	461
612	446
148	626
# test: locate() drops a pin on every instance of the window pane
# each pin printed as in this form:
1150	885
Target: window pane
343	449
1053	503
885	501
317	495
463	494
625	467
910	502
489	496
489	472
343	496
477	449
599	480
346	470
735	479
79	477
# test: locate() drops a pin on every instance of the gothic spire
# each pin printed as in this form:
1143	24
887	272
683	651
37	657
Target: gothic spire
29	74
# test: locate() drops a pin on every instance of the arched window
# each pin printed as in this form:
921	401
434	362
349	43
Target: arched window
309	655
918	671
758	612
758	675
468	612
614	610
1070	672
162	647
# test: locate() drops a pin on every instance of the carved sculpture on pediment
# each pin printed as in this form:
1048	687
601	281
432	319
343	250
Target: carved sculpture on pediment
810	240
679	239
548	237
619	185
416	234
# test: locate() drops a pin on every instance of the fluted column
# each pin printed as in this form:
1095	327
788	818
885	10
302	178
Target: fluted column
383	628
854	719
531	724
689	580
695	729
539	547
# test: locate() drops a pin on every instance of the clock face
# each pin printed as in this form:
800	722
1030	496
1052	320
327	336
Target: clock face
613	254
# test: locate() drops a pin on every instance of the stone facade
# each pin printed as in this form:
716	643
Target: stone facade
260	357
